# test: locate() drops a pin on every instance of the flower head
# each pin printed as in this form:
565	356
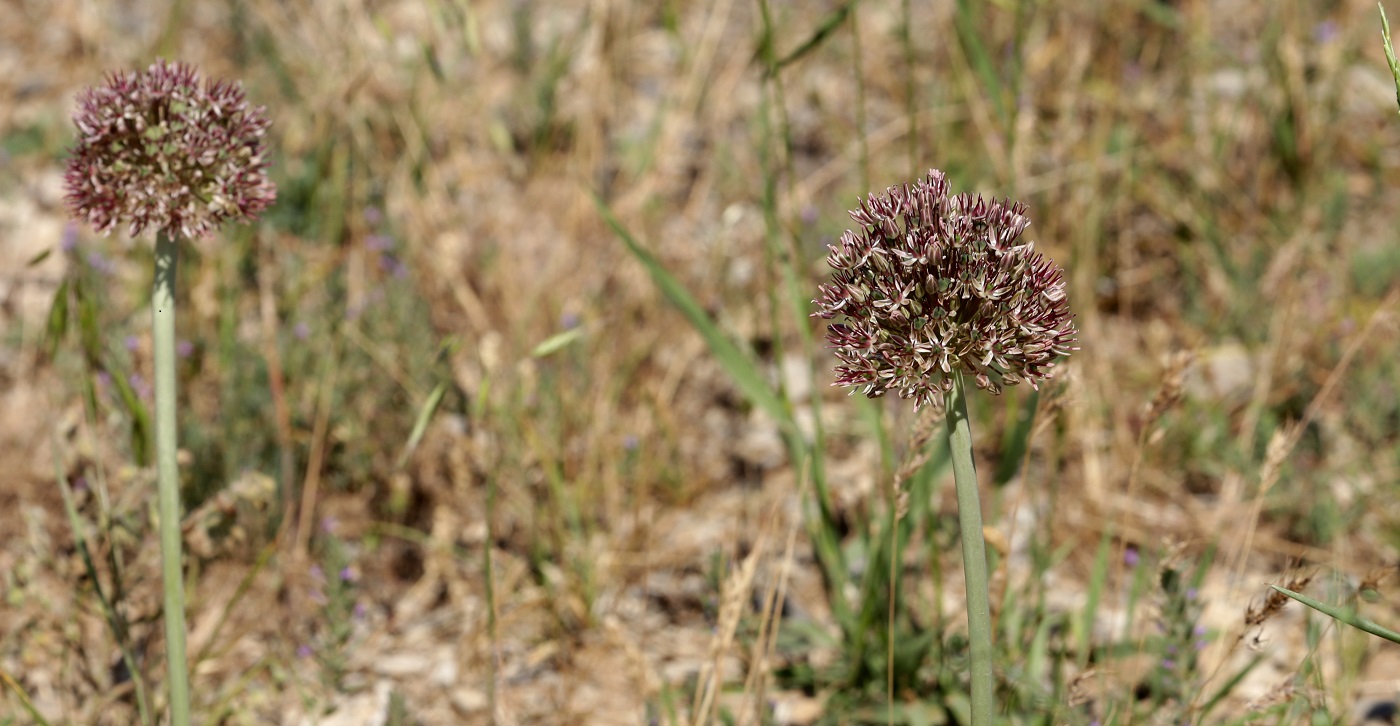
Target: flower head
934	283
160	150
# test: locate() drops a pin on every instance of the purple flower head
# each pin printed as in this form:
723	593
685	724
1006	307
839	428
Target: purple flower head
159	150
936	283
184	348
1131	557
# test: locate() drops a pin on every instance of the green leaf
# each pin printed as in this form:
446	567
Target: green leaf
741	369
1344	615
36	259
420	425
1390	52
835	20
556	343
57	325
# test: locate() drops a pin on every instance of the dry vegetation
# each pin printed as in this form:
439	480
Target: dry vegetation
595	534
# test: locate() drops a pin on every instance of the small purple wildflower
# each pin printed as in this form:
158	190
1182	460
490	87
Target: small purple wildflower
347	574
69	241
373	216
317	573
159	150
1131	557
630	442
1192	593
329	524
301	331
388	263
360	611
100	264
143	389
934	283
569	321
303	651
1325	32
379	242
184	348
132	342
1168	664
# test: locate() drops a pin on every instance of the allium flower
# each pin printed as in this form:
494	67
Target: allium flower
160	150
934	283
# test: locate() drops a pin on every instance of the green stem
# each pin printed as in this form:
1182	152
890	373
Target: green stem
979	612
168	476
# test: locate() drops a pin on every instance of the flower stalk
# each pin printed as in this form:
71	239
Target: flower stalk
935	288
974	553
167	474
160	151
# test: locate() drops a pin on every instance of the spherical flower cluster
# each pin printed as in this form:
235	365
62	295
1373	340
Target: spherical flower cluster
936	283
159	150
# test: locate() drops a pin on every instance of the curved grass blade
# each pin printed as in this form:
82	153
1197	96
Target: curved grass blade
556	343
1343	615
23	698
828	26
1390	52
425	414
740	367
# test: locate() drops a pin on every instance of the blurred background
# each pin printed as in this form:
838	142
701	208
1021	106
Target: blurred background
451	455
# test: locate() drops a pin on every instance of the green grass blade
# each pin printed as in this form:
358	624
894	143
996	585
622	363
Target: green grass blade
829	25
1343	615
1390	53
1229	686
420	425
741	369
57	325
1016	441
556	343
23	698
965	21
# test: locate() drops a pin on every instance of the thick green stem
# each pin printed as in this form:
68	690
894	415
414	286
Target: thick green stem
168	476
979	612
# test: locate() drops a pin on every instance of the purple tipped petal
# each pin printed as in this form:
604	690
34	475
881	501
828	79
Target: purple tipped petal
157	150
934	283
